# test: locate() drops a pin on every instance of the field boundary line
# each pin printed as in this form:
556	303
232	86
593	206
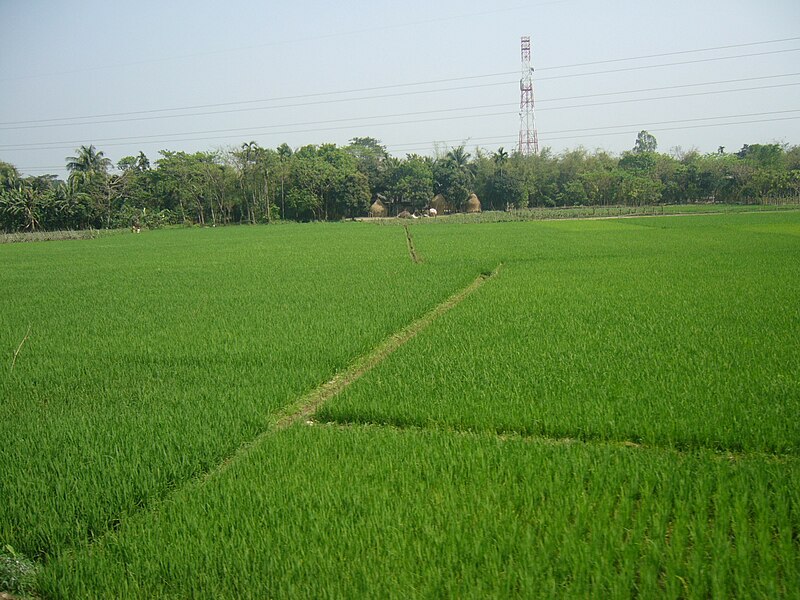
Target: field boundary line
415	258
510	435
309	403
22	343
305	406
680	214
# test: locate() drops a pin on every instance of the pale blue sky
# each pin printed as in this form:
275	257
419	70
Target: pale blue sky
92	58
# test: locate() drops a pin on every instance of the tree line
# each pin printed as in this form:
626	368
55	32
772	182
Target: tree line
253	184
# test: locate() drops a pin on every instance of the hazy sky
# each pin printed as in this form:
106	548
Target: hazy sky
415	75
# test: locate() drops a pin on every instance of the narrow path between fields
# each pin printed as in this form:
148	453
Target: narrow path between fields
309	403
415	258
305	406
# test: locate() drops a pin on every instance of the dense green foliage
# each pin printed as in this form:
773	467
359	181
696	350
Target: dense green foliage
612	414
252	184
328	512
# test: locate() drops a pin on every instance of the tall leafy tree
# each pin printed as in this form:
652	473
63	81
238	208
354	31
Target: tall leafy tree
645	142
411	181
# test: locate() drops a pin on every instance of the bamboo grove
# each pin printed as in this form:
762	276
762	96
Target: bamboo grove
253	184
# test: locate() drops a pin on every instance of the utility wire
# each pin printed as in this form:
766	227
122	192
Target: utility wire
163	136
433	81
509	139
296	40
668	87
613	60
706	93
705	125
422	145
672	64
339	127
273	99
456	88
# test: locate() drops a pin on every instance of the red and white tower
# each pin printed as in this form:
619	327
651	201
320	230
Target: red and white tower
528	138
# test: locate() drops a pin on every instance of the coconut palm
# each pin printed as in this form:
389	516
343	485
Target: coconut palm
88	161
459	156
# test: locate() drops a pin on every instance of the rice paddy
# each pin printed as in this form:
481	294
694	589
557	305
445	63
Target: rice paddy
613	412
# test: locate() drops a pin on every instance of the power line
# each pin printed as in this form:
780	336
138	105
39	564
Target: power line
668	87
706	93
244	130
456	88
706	125
295	40
420	145
237	110
418	83
672	64
510	140
418	121
672	122
637	126
675	53
273	99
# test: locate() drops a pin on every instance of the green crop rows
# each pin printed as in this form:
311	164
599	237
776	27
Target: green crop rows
678	332
381	513
151	358
613	413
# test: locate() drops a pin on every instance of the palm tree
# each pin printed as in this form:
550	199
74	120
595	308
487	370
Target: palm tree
284	154
459	156
142	162
88	161
500	157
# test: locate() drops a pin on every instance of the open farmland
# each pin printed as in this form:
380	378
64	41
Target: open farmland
670	331
612	412
151	358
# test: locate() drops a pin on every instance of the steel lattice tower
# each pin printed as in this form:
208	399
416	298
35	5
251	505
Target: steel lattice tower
528	137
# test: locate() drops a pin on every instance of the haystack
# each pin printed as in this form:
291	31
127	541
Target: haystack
473	204
404	215
440	204
378	209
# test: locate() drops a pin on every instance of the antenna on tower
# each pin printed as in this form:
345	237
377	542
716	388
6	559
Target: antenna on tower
528	137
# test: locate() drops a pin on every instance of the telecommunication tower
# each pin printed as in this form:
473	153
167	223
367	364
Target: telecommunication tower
528	137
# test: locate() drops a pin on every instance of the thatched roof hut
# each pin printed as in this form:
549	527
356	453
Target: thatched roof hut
404	215
473	204
378	209
440	204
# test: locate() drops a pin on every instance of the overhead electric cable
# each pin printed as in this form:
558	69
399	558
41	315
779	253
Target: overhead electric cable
672	64
497	105
164	136
705	125
339	127
675	53
371	29
445	80
510	139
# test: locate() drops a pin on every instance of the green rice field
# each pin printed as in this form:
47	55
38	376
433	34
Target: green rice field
612	410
